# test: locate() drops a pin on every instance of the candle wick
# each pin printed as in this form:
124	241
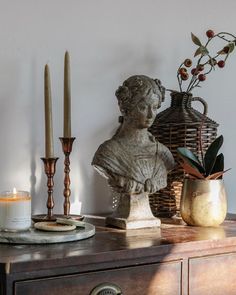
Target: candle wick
14	191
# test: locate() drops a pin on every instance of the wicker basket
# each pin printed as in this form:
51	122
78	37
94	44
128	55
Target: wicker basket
179	126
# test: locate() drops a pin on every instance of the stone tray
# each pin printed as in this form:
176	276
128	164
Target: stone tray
35	236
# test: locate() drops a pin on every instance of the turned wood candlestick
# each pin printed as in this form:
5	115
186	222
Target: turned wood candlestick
50	169
67	143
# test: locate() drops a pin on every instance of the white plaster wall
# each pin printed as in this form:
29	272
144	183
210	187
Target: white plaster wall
108	41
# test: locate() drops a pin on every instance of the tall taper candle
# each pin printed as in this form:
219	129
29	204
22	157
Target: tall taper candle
67	97
49	153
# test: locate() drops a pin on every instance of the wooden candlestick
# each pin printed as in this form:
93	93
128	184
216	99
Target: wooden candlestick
50	169
67	143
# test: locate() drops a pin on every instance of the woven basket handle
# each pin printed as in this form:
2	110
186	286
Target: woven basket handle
205	106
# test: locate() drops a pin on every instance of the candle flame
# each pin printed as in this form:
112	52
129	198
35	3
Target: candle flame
14	191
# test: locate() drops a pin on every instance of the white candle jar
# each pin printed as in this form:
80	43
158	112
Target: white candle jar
15	211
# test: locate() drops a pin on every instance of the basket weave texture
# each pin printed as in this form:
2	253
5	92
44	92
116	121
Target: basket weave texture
180	125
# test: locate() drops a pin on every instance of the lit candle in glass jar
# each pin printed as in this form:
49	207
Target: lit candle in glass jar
15	210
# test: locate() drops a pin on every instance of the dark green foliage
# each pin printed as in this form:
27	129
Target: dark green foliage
212	165
211	155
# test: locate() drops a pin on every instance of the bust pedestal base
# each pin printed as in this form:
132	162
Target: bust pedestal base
133	212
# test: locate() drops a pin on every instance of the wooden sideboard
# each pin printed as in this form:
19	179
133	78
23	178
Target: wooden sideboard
173	260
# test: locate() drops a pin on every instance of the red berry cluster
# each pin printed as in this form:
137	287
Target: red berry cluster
205	62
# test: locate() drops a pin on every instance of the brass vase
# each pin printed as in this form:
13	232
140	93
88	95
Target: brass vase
203	202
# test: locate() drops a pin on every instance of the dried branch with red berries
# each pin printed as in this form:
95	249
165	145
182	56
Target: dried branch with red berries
206	62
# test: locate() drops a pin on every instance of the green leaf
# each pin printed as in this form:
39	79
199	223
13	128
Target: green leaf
197	52
231	46
196	40
201	50
187	153
204	50
188	156
219	164
211	154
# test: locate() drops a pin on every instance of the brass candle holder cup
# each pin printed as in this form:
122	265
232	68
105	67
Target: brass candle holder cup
67	143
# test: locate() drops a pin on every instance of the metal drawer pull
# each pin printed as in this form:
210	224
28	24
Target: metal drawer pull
106	289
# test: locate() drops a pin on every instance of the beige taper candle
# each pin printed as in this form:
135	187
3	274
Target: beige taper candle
67	97
49	153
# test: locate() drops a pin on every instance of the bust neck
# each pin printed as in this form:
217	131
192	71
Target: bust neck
133	134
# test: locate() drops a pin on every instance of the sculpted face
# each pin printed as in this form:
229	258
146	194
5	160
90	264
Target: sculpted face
145	111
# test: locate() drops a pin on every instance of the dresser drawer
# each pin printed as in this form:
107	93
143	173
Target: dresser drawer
214	274
161	279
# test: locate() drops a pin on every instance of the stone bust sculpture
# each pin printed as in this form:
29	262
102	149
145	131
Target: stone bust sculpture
134	163
132	160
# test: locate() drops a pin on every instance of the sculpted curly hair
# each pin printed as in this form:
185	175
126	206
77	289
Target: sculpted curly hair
137	85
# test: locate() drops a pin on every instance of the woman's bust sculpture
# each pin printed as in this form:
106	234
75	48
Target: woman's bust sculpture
133	161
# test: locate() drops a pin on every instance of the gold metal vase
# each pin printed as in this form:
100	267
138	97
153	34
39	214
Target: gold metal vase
203	202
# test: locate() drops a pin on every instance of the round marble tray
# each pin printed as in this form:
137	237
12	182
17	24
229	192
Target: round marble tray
34	236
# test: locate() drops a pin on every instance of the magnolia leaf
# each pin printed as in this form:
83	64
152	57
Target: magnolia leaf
219	164
195	165
191	171
196	40
216	175
211	154
187	153
191	159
